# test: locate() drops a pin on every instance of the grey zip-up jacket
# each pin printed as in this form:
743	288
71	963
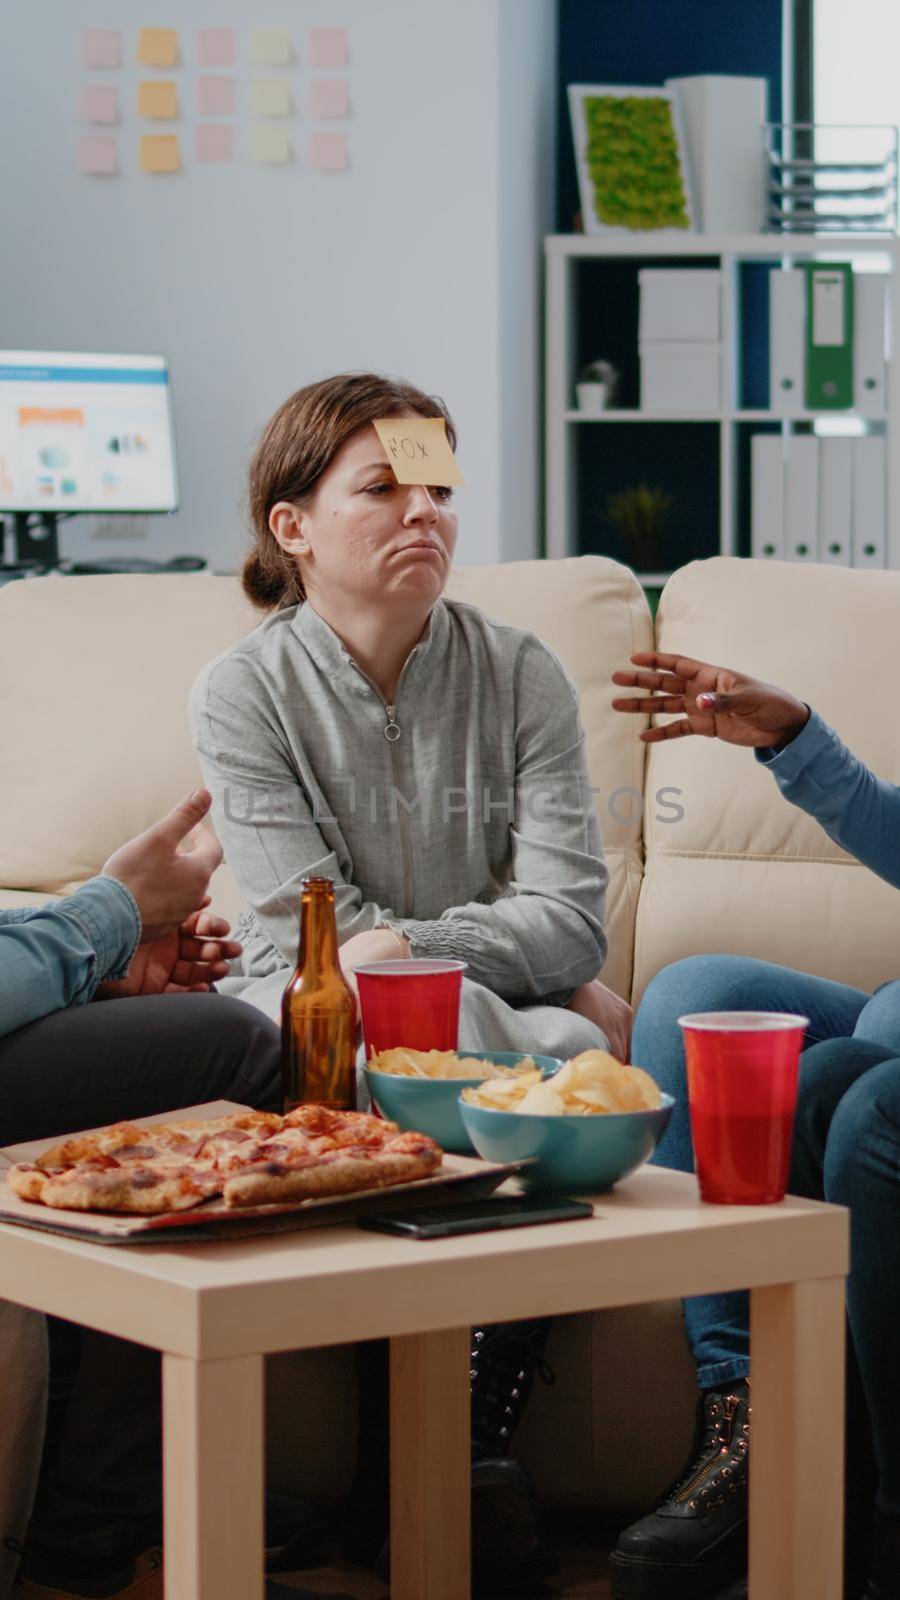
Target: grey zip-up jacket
461	816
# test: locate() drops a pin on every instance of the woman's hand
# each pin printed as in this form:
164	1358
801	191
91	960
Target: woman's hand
612	1015
715	701
376	944
189	960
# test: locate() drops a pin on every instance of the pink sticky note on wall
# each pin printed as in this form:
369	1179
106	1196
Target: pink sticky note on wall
216	97
328	151
215	47
215	141
96	153
328	47
330	98
98	102
100	47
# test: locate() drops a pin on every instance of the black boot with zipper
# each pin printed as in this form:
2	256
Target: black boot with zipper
695	1541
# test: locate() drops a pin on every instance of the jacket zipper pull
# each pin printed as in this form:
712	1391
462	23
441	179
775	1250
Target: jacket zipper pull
391	731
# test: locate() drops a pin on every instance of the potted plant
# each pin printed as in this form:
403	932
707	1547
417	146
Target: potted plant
595	386
639	516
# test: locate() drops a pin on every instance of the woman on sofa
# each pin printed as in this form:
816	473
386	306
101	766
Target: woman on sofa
846	1149
429	761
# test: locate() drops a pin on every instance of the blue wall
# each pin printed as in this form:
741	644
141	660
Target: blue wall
646	41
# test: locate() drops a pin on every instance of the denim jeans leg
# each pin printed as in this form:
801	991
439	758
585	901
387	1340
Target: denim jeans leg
879	1020
718	1324
827	1073
862	1171
99	1497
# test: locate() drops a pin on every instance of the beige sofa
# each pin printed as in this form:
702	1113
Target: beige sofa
704	855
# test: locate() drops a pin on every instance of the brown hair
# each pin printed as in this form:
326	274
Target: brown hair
297	445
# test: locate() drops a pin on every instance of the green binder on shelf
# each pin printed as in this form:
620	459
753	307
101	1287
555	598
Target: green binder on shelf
829	336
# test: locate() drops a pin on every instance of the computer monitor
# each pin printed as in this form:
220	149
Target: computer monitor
82	433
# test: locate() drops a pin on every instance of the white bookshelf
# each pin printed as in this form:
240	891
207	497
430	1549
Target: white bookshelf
565	256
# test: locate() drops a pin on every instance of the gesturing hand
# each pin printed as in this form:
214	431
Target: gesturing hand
188	959
169	882
716	702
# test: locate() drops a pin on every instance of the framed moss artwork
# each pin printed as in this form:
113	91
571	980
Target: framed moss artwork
631	160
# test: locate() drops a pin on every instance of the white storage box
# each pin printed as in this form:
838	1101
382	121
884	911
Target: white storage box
681	377
724	118
679	303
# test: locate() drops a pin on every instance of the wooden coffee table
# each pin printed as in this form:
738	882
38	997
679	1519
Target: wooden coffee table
215	1310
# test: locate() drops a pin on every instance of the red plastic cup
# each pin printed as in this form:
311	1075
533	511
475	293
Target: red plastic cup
413	1003
742	1092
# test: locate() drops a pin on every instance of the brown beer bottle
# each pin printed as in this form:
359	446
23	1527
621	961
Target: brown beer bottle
318	1011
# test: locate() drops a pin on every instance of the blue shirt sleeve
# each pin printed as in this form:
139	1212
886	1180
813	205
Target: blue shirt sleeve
860	812
55	956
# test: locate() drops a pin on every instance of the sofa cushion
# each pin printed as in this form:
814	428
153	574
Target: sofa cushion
743	871
94	678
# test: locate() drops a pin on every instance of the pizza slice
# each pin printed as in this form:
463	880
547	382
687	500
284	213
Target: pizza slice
252	1158
139	1188
127	1142
269	1179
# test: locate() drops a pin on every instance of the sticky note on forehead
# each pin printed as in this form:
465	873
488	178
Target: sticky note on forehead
418	450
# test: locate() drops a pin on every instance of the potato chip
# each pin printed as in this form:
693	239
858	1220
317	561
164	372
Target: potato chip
542	1101
504	1087
651	1094
593	1083
564	1078
406	1063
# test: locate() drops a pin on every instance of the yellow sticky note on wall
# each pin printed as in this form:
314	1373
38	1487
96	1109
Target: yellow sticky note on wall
418	450
157	100
160	152
271	47
270	97
158	47
269	146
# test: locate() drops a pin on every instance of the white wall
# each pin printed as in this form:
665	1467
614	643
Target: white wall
855	55
526	211
423	260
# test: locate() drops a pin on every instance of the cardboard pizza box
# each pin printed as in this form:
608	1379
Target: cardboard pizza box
459	1177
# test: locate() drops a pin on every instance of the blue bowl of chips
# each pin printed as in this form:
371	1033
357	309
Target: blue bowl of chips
431	1104
569	1154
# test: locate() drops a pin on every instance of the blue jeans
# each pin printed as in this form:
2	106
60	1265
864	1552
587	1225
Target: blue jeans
846	1149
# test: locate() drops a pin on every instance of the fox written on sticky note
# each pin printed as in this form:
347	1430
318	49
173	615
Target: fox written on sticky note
419	451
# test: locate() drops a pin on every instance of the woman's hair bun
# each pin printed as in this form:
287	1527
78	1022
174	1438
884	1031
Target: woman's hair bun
268	578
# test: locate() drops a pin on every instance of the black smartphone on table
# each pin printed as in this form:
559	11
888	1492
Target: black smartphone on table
480	1216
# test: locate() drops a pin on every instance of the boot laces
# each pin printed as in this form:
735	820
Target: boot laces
503	1365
